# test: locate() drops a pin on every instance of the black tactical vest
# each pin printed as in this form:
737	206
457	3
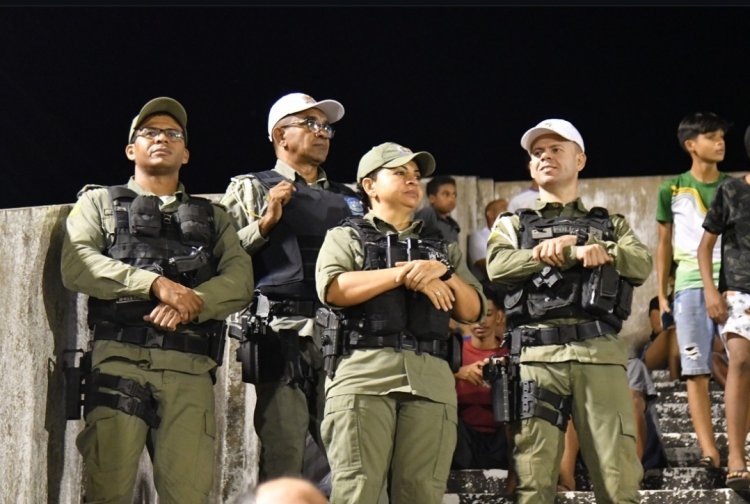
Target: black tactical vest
177	245
285	267
398	310
598	293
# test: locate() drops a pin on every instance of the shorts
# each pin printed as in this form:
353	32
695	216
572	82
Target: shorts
695	332
738	321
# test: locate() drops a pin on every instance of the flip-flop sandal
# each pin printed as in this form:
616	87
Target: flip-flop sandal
707	462
739	480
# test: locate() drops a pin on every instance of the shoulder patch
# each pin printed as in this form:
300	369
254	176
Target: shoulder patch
355	205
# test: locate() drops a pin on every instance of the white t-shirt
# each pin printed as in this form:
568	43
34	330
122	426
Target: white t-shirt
523	199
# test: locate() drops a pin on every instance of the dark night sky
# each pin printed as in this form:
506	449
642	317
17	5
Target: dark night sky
461	82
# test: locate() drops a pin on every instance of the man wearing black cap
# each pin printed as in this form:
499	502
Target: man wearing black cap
282	216
162	269
569	274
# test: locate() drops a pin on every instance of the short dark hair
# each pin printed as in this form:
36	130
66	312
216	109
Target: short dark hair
494	293
361	190
747	141
434	185
700	122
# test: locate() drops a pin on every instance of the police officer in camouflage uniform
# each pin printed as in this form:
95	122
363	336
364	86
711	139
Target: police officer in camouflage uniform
572	361
162	269
391	403
281	216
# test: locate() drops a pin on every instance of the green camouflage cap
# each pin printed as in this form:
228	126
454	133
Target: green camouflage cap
161	105
391	155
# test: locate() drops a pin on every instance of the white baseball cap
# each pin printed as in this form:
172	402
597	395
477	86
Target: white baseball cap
297	102
557	126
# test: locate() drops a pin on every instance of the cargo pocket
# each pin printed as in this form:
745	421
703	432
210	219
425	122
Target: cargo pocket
627	425
340	430
203	471
110	439
448	435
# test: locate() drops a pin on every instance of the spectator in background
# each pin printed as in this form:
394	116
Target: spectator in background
482	442
680	212
661	350
477	246
441	194
525	199
728	217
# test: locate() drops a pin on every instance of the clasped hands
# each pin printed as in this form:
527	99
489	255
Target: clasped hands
423	275
178	304
552	252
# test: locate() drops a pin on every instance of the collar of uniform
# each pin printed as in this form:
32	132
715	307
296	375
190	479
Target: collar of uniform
576	203
385	227
290	173
133	186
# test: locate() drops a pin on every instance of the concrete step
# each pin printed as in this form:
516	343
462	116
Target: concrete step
682	423
688	439
680	410
719	496
493	481
662	376
680	396
680	478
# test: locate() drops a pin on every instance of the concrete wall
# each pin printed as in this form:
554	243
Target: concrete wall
40	462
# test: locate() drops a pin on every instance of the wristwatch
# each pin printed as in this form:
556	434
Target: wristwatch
448	273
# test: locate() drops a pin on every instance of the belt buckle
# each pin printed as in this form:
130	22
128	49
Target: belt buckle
153	339
409	342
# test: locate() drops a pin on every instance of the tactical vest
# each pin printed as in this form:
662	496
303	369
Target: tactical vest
177	245
285	267
397	311
598	293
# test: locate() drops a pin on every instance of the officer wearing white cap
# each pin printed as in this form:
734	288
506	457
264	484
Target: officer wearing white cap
391	399
281	216
556	262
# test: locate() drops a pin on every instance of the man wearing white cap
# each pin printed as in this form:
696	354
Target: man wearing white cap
162	270
569	273
282	216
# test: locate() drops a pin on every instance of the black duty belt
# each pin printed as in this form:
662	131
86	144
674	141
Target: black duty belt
561	335
437	348
292	308
150	337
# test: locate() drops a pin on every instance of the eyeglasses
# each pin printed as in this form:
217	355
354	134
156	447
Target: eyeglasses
153	133
313	126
